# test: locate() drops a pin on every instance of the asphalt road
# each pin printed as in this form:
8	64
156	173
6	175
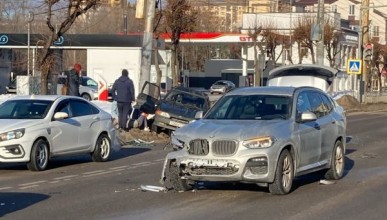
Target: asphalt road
76	188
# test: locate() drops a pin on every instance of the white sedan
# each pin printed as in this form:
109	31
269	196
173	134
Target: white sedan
34	129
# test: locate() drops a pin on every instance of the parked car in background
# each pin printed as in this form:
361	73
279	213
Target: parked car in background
261	135
11	87
33	129
222	86
179	107
88	88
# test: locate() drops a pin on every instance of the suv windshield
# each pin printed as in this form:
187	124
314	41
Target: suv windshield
220	83
185	99
251	107
24	109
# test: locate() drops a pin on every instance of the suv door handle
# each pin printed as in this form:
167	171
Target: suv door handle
316	126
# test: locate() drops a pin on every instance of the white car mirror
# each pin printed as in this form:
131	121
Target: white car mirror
199	115
61	115
308	116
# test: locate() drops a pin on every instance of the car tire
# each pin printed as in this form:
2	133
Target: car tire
102	149
336	170
173	175
284	175
39	156
86	96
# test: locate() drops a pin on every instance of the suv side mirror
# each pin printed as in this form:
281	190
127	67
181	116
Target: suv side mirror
308	116
199	115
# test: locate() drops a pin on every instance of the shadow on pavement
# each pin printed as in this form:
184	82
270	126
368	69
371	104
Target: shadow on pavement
12	202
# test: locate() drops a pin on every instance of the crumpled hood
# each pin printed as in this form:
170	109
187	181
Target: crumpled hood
230	129
12	124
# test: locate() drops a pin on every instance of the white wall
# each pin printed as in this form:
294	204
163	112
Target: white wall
110	62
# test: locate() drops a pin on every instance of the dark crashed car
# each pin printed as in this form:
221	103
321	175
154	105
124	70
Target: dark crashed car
179	107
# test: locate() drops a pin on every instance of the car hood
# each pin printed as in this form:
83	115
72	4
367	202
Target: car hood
230	129
12	124
179	110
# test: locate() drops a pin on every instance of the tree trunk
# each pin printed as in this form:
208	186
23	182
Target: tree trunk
173	65
257	80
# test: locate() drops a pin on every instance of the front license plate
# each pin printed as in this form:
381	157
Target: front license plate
176	124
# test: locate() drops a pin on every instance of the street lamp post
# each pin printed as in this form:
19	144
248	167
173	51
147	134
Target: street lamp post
30	18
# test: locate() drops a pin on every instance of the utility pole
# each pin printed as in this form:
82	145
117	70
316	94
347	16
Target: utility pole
147	43
364	39
321	24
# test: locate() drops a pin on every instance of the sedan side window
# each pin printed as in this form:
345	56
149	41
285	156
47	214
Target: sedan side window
80	108
63	107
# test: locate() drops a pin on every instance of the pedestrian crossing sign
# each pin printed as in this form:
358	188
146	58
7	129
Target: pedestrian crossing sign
354	67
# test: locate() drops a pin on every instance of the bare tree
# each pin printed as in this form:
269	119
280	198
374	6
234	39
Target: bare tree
74	9
331	42
301	34
179	18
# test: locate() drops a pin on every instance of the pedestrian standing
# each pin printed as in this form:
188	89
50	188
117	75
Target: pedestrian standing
73	80
123	94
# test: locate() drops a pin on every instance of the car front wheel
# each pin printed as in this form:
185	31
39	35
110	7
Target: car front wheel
174	176
39	156
336	170
102	149
284	175
86	96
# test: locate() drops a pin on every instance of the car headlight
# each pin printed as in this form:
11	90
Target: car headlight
15	134
164	114
261	142
176	143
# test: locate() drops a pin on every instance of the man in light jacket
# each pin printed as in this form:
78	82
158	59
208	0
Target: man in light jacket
123	94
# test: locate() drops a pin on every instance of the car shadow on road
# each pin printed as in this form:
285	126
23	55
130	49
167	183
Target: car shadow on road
319	175
130	151
13	202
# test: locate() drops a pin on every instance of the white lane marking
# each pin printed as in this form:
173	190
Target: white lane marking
159	160
141	164
57	181
4	188
117	168
93	172
96	174
65	177
30	186
32	183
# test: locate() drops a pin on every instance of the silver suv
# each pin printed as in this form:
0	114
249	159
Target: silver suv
264	135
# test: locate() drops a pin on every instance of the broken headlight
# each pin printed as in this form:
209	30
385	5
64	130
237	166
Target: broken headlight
176	143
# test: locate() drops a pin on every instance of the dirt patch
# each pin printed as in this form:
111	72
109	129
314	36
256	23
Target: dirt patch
350	104
138	135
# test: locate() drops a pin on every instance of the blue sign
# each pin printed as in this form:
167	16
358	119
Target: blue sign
354	67
60	41
3	39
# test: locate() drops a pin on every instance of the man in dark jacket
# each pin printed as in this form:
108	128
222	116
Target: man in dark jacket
73	80
123	94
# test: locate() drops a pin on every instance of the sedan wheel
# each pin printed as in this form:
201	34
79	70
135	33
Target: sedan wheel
337	162
284	175
86	96
102	149
39	156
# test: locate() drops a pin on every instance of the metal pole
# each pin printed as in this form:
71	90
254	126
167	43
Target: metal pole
30	18
147	43
321	23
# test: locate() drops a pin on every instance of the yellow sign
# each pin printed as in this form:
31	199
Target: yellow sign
354	66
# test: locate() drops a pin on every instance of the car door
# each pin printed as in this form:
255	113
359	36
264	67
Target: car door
308	133
148	98
89	123
329	129
65	132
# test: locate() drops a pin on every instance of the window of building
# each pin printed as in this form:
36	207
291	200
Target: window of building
375	31
352	10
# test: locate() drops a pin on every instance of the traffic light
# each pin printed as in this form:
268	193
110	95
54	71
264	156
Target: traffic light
368	52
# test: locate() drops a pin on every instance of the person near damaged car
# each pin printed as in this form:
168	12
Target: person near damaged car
123	94
73	80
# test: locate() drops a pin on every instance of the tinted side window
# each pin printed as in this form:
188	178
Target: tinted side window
94	109
80	108
316	104
327	103
63	107
303	104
